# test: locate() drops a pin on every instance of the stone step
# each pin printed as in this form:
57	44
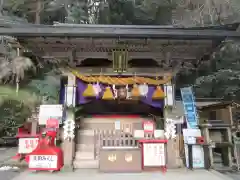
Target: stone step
85	164
83	155
86	140
85	147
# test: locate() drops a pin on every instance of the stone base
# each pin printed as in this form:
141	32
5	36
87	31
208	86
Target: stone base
67	168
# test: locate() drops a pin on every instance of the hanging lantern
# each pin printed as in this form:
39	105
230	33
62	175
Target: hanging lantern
108	95
135	91
89	91
143	88
158	93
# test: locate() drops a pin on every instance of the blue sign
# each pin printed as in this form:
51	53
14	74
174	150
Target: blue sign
190	111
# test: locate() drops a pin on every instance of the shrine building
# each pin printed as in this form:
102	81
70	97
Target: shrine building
120	80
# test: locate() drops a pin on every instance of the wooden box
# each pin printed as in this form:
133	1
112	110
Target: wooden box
120	159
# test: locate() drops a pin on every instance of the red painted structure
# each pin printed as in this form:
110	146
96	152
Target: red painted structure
46	148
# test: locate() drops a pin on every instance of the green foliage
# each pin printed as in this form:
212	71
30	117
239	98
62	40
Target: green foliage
26	97
12	115
47	88
15	108
223	76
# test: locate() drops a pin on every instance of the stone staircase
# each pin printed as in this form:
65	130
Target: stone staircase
85	151
84	157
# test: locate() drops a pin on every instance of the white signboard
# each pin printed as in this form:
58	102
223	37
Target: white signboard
138	134
191	133
70	96
154	154
43	161
48	111
27	145
168	91
197	156
117	125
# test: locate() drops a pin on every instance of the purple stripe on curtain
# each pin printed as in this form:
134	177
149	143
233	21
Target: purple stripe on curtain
81	86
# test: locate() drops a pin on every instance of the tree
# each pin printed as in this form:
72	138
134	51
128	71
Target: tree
12	65
224	78
35	11
206	12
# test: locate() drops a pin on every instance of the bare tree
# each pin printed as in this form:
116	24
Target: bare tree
206	12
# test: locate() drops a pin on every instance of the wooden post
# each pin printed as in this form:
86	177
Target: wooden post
69	145
230	114
229	148
173	154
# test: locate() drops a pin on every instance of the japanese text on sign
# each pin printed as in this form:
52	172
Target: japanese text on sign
27	145
43	161
154	154
189	107
148	126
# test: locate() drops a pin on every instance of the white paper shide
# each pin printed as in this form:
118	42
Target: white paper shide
170	129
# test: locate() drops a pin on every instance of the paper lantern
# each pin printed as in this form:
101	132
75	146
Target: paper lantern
135	91
89	91
158	93
108	95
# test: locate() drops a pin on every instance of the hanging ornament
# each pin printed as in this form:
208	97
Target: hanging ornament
89	91
114	91
68	129
158	93
108	95
128	93
143	88
97	88
122	93
135	91
170	129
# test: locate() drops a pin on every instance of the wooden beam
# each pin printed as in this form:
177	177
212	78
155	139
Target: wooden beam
110	32
151	72
111	46
113	41
180	52
105	55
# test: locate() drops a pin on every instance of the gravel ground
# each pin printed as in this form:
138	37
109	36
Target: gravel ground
5	155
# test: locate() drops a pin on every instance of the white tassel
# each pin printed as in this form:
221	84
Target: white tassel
114	91
128	93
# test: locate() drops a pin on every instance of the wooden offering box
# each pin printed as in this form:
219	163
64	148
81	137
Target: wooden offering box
120	159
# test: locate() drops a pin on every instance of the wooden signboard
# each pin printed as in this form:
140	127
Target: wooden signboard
154	154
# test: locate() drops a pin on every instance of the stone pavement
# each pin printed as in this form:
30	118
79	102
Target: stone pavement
6	155
233	175
180	174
